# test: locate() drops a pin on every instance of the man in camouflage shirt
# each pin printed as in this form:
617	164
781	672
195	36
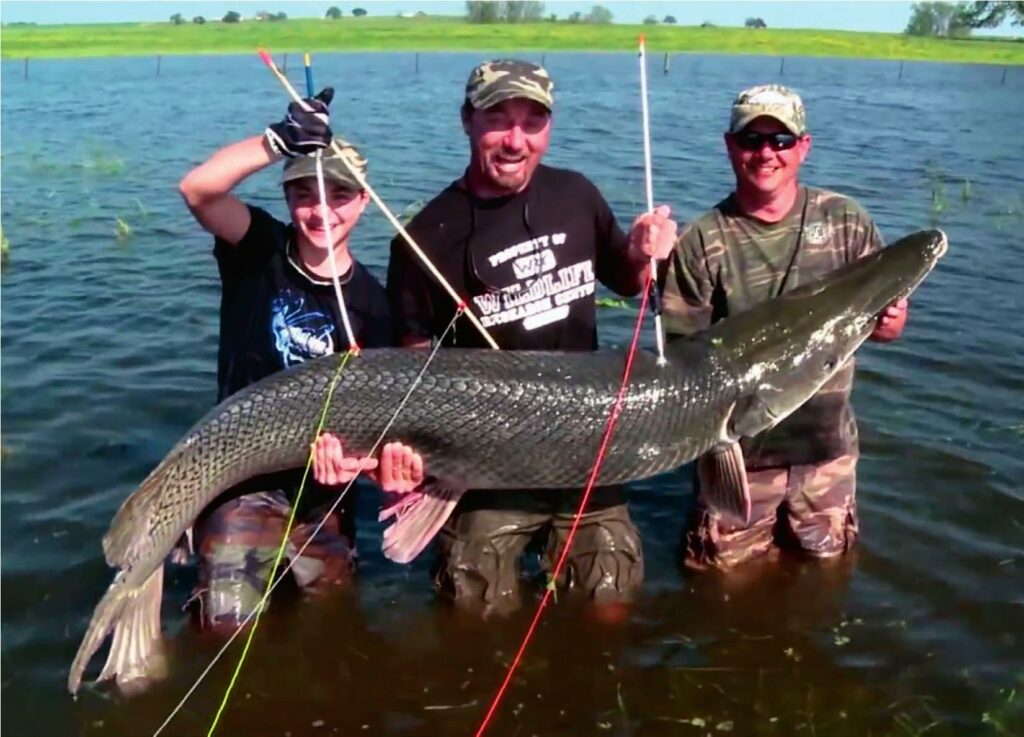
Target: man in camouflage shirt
767	237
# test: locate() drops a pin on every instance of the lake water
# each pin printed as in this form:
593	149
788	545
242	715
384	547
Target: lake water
109	351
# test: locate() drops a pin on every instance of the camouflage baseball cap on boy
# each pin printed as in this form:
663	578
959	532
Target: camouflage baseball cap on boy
334	169
506	79
773	101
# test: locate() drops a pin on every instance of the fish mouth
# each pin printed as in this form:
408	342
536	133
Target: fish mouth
933	251
941	247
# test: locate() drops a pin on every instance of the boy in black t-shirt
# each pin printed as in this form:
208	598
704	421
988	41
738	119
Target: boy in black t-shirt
278	308
524	245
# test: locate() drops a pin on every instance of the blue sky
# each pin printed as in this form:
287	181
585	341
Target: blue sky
853	16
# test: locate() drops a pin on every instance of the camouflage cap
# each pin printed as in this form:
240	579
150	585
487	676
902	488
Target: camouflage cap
301	167
506	79
773	101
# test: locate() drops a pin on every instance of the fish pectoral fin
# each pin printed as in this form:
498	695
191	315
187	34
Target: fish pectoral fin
750	416
418	516
723	481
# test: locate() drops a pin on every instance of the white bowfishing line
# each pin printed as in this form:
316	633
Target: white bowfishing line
648	180
329	244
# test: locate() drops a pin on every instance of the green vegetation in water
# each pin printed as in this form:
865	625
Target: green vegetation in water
938	202
103	162
613	303
1006	715
5	248
411	211
447	33
122	230
1008	211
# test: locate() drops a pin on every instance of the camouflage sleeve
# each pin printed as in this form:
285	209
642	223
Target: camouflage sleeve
687	286
861	233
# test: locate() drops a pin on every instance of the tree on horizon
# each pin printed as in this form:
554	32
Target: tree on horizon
669	20
938	19
333	13
358	12
231	17
177	19
511	11
984	14
755	23
600	15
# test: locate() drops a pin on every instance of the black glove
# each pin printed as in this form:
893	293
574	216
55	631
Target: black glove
303	131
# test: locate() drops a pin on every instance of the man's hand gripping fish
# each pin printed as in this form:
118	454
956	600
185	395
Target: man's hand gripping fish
495	420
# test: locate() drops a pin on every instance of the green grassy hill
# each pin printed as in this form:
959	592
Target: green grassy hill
450	33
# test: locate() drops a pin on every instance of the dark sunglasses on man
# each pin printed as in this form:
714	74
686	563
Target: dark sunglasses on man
754	141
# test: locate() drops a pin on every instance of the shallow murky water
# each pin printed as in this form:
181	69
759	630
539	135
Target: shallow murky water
109	351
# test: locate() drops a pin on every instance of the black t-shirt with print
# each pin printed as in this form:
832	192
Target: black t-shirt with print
526	264
274	314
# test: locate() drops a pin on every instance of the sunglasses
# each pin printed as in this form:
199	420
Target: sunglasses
754	141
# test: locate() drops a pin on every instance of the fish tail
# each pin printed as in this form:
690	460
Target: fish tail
136	653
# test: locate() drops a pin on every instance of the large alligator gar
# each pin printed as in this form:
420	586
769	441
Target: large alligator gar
494	420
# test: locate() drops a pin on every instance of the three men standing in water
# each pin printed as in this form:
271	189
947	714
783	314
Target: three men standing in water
524	245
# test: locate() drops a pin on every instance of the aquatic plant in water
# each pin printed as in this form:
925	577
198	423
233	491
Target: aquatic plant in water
612	303
1010	212
940	203
122	230
103	162
411	211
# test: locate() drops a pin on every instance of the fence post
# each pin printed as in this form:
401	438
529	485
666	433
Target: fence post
782	66
158	58
665	68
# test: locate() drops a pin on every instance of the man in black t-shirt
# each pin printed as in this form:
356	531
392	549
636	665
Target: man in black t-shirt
524	245
279	308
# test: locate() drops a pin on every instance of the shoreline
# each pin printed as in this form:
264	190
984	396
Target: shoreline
451	34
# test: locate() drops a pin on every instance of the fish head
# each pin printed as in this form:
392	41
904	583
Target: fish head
784	350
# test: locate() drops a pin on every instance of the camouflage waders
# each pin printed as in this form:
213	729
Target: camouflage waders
238	541
811	508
